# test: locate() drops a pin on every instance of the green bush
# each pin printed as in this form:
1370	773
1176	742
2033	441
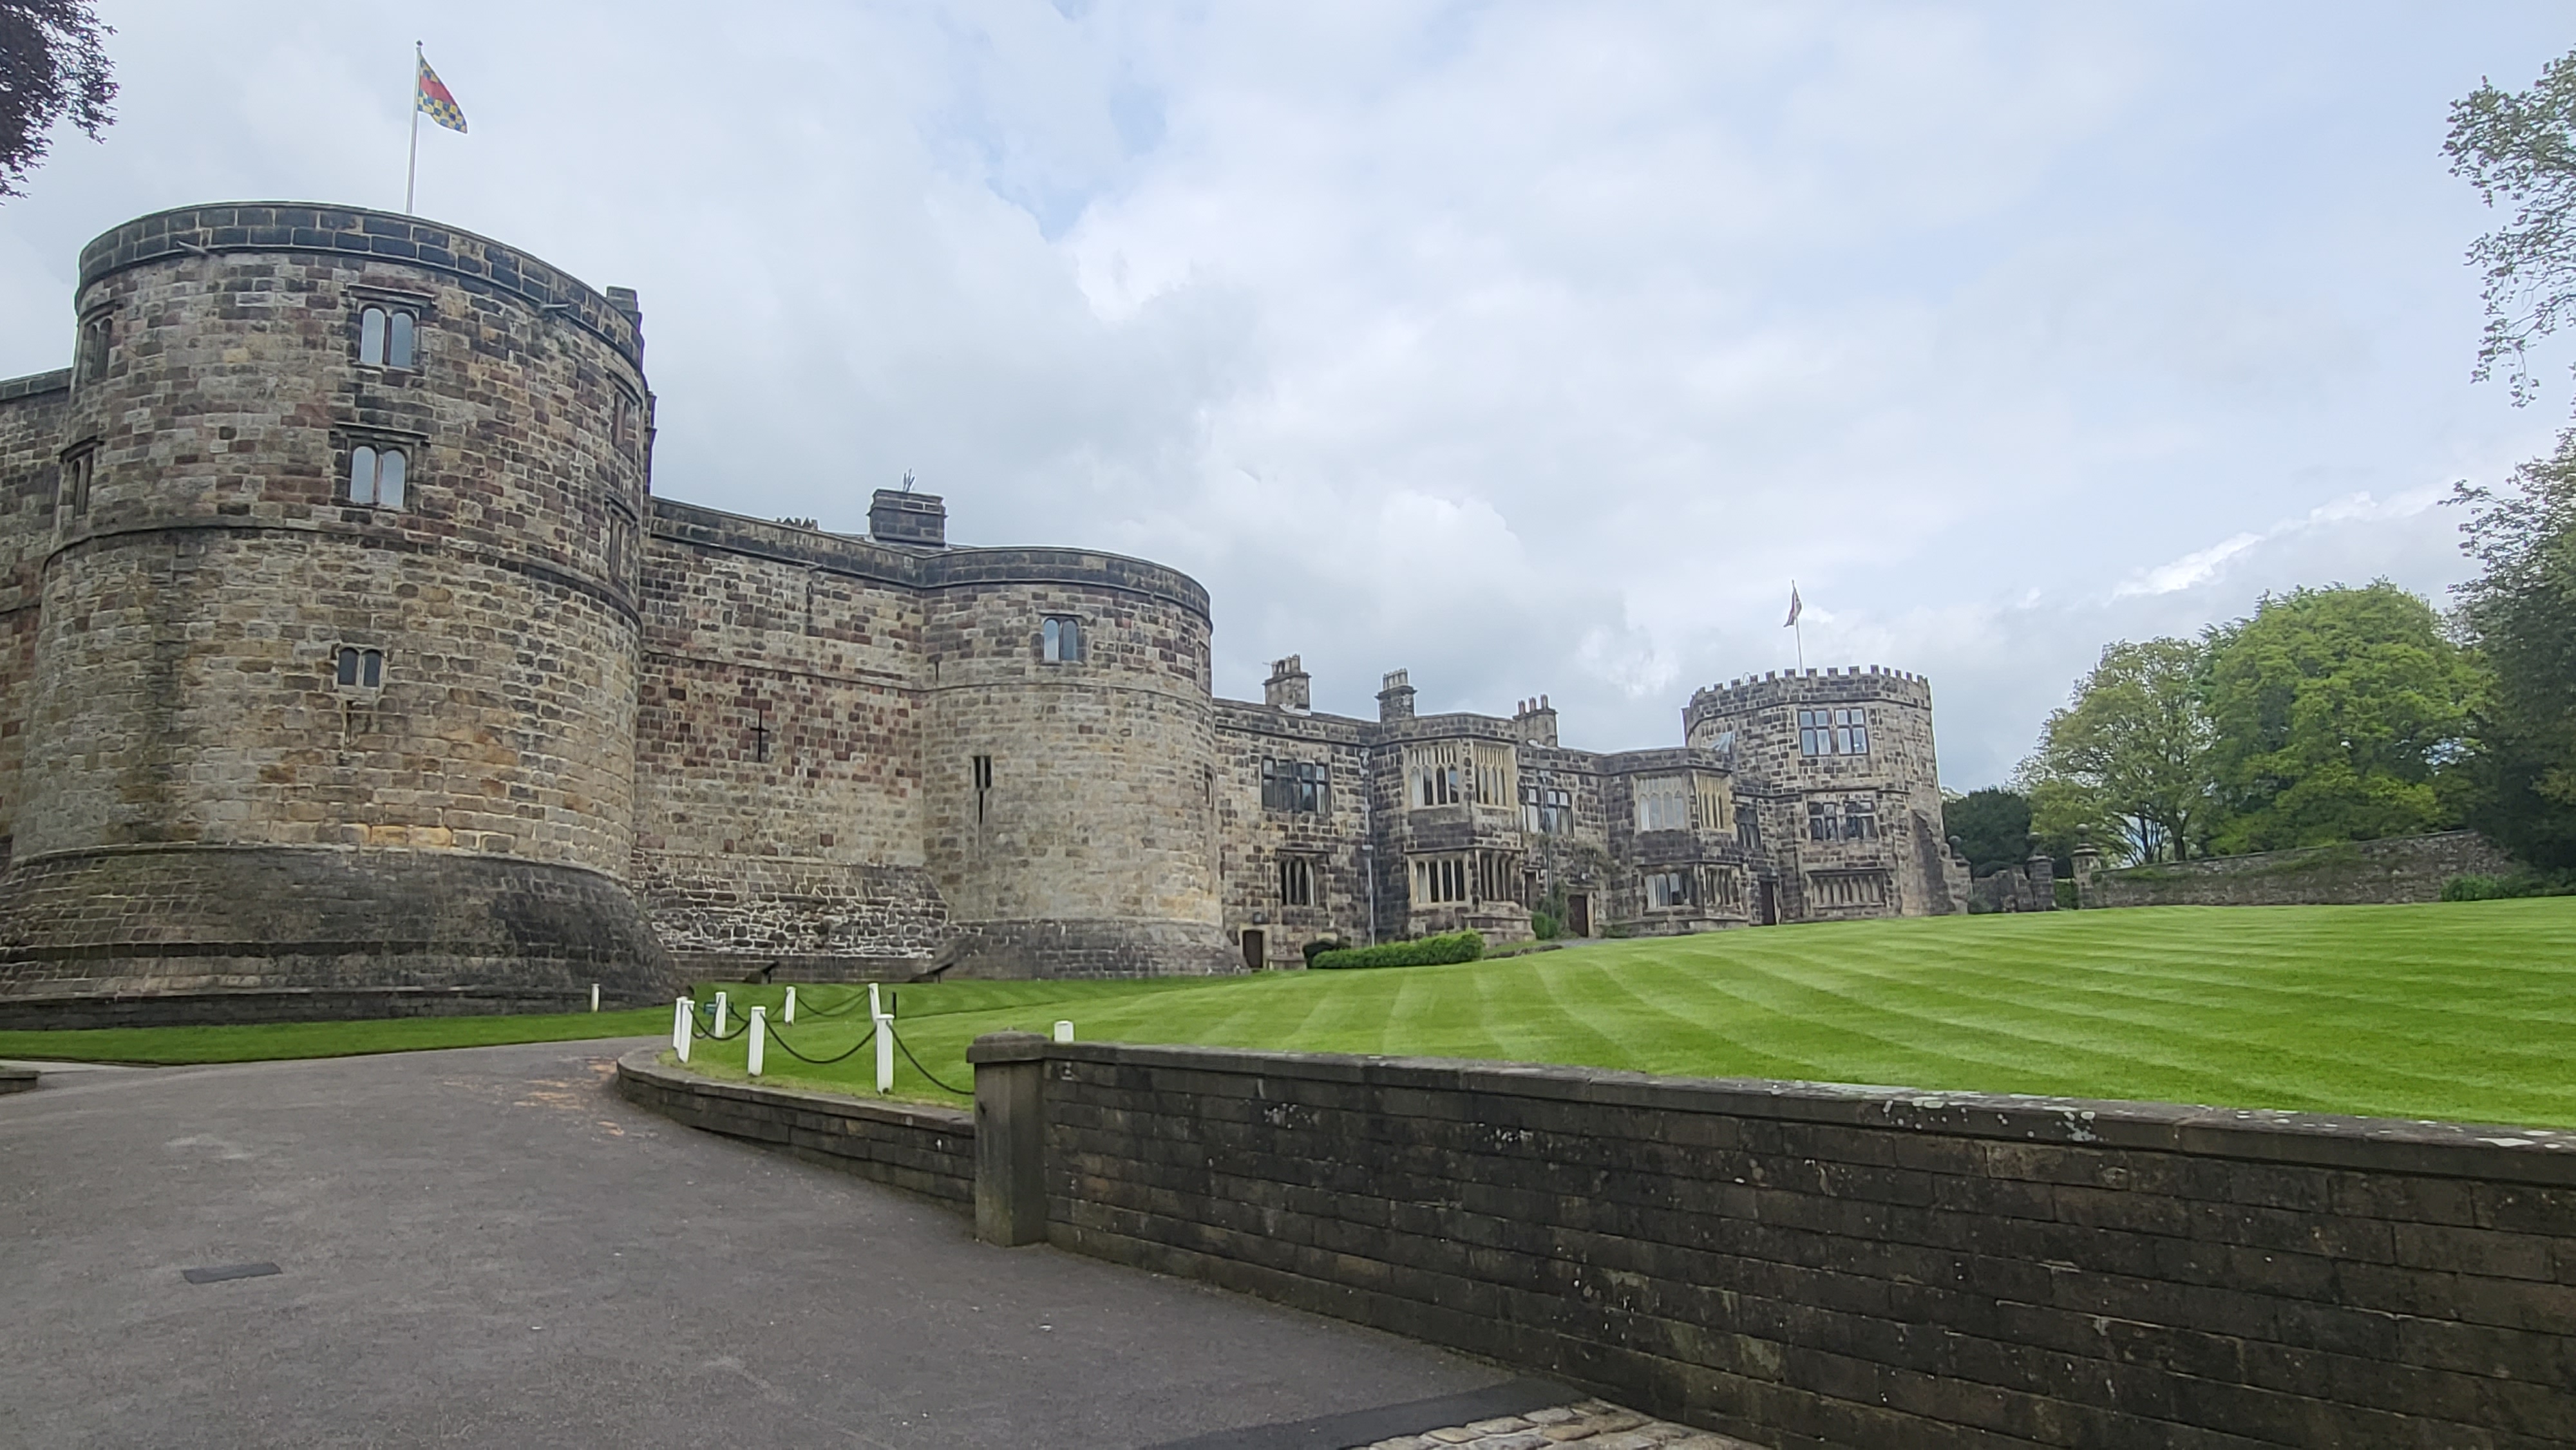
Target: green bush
1321	945
2505	888
2066	897
1430	951
1543	926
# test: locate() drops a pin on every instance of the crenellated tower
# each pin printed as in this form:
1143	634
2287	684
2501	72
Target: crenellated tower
1839	766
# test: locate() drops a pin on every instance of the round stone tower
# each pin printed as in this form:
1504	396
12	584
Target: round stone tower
1069	765
334	684
1839	765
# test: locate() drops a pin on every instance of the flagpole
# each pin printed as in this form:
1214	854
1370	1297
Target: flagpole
1798	628
411	173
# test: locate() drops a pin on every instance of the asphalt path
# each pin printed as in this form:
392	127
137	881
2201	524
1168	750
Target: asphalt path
488	1247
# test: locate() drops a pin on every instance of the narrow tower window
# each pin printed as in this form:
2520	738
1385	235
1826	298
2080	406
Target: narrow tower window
95	337
376	476
71	487
363	668
386	337
1296	881
1060	639
983	784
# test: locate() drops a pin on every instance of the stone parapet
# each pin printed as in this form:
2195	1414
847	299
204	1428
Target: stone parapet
924	1150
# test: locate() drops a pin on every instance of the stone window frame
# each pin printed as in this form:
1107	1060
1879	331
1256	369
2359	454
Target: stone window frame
1301	880
1848	888
1853	818
358	669
624	534
1547	810
1675	889
414	449
980	772
1299	787
1662	802
1438	880
625	411
1061	639
94	344
412	308
76	475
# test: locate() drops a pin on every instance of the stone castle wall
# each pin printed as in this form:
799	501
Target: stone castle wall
31	440
184	697
779	804
807	754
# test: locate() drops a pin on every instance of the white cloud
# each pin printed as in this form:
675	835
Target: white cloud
1532	347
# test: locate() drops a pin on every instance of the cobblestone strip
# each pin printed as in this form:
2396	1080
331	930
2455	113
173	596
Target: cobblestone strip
1590	1424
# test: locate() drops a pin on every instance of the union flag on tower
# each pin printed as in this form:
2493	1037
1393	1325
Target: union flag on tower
433	100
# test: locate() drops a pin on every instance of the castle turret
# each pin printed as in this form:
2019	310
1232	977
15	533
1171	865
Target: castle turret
1069	761
1840	765
333	690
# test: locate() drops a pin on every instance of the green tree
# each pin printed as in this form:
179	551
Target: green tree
2128	762
53	67
2521	610
2341	715
1992	827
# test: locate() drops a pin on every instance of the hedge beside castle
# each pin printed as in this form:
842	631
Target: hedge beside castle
350	666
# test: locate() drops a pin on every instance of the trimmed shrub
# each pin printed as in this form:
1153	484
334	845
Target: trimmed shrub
2066	897
2506	888
1323	944
1543	926
1429	951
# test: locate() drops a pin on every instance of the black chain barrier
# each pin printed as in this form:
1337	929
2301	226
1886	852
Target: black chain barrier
925	1072
789	1049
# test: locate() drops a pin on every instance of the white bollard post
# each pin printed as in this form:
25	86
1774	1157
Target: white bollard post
594	996
759	1037
1064	1032
885	1043
687	1029
720	1014
789	1016
680	1027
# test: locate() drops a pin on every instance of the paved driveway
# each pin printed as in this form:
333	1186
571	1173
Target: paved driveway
489	1248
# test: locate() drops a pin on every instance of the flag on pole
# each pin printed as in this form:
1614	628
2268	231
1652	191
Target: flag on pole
431	97
1794	606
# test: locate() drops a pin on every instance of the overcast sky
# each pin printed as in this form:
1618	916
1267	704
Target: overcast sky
1533	347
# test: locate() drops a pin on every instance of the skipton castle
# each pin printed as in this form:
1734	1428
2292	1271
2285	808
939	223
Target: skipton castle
351	666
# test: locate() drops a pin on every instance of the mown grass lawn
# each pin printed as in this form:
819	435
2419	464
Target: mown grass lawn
170	1046
2463	1011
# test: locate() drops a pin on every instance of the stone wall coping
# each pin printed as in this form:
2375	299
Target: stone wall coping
645	1064
2393	1145
915	567
1007	1047
57	381
360	234
1665	757
2258	860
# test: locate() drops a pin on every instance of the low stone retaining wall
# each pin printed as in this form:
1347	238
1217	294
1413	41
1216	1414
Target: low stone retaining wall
1811	1266
2363	873
17	1079
927	1150
39	1011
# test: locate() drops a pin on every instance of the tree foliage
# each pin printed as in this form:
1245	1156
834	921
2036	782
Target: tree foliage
1992	827
53	67
2128	763
2521	610
2335	713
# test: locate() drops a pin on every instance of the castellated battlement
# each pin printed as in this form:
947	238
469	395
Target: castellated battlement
1831	684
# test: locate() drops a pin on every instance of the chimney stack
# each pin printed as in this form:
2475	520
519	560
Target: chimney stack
1535	722
1395	697
899	517
1286	689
